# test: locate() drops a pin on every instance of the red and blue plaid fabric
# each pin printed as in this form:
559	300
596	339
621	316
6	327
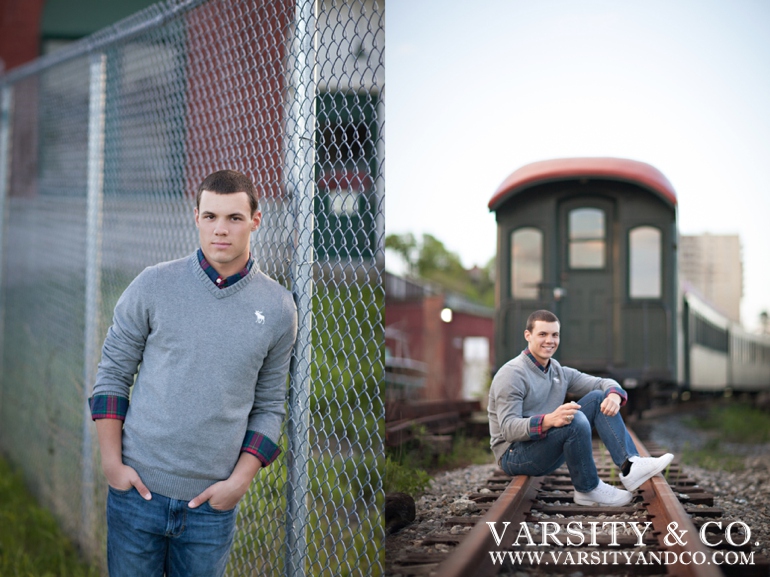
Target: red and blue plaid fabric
534	360
108	407
620	392
261	447
214	275
536	427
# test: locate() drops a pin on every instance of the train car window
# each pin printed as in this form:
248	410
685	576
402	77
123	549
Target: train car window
713	337
644	263
586	238
526	263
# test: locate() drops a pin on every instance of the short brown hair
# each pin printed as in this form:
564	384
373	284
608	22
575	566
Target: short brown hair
228	182
541	315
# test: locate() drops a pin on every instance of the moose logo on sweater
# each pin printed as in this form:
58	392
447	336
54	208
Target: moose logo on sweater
260	317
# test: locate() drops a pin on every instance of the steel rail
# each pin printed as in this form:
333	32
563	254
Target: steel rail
471	558
665	509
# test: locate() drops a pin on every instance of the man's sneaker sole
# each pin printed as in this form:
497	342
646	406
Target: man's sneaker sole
597	504
640	482
580	499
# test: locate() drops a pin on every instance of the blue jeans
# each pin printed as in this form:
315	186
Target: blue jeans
572	443
150	538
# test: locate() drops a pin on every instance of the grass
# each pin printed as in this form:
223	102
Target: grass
31	543
739	423
400	478
408	468
736	423
466	451
712	457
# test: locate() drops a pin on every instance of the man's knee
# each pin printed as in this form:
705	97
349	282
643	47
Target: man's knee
580	423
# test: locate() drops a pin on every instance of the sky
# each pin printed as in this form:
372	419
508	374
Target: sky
478	89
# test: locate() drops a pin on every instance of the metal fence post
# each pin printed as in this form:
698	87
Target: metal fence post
94	202
6	101
301	181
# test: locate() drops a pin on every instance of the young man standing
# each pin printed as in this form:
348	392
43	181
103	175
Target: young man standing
533	431
214	338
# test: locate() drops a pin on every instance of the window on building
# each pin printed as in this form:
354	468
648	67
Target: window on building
586	238
644	263
346	173
526	263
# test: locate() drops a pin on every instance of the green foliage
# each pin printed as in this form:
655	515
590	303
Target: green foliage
737	423
345	497
348	362
31	542
466	451
432	261
713	457
408	468
406	246
400	478
740	423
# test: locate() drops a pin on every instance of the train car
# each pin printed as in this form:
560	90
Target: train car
749	361
719	355
706	340
595	241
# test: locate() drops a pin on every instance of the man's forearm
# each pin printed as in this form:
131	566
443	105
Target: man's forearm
245	470
120	476
110	433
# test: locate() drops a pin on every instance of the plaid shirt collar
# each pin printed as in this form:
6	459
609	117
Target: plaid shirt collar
216	278
534	360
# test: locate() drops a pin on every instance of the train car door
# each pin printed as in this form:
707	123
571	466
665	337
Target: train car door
586	267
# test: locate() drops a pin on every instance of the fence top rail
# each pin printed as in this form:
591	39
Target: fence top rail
149	18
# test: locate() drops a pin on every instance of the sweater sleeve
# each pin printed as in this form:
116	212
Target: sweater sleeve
508	391
122	351
580	384
268	410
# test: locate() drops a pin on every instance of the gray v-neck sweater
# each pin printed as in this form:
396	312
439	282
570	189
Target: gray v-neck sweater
521	391
210	364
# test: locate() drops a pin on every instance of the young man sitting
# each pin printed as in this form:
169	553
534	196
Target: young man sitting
534	431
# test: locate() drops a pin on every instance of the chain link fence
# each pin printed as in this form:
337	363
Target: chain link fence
102	145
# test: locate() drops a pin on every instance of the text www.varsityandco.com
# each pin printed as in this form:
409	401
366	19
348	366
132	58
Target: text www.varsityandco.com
736	534
621	558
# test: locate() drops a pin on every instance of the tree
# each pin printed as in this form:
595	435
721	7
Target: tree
430	260
406	246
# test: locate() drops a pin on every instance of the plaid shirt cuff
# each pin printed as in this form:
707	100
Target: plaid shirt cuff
261	447
620	392
108	407
536	427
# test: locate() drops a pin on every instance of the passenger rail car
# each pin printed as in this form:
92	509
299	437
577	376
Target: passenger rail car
718	352
595	241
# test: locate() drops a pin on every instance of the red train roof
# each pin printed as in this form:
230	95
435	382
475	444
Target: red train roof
544	171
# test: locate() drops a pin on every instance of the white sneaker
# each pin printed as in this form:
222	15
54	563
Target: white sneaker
642	468
604	496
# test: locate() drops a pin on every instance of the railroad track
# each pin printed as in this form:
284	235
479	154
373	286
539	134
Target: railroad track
530	525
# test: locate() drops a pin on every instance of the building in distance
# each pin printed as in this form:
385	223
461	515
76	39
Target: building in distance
713	265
